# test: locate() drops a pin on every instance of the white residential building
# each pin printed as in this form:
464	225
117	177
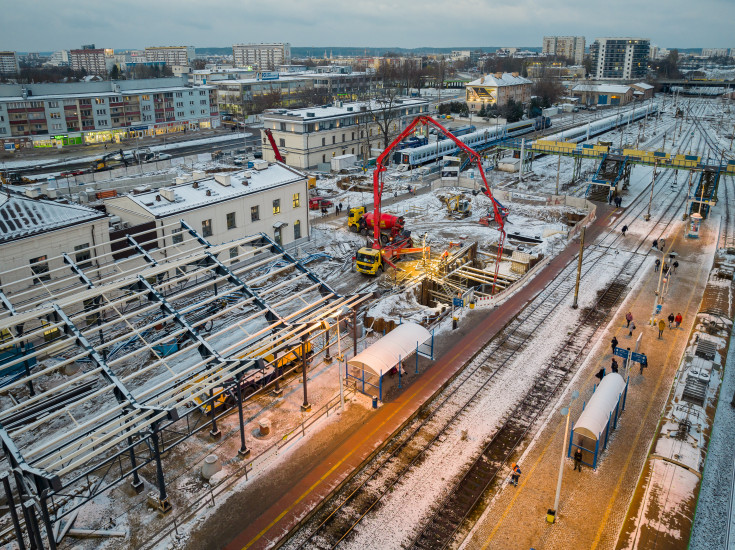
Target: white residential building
170	55
714	52
59	59
311	136
9	63
571	47
225	207
264	56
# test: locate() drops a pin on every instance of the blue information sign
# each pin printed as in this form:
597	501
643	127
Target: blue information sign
458	302
638	357
621	352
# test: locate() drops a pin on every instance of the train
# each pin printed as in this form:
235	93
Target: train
591	129
477	140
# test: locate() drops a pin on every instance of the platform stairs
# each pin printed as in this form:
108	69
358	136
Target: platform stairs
706	190
613	172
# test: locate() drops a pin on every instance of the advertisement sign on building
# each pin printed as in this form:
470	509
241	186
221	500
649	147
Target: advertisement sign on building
267	75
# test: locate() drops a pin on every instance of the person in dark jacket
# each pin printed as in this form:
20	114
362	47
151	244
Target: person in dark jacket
658	265
671	318
515	475
578	459
655	244
674	266
614	366
614	343
625	228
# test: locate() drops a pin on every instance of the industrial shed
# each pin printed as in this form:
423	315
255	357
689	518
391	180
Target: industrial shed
369	366
599	417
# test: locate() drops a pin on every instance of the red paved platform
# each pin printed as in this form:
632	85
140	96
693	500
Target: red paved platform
278	519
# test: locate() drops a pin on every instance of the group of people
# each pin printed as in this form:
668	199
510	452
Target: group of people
673	319
337	209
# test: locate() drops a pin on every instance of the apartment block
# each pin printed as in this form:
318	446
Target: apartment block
170	55
9	63
93	60
620	58
571	47
263	56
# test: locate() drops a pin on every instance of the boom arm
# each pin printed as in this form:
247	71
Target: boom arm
268	133
380	167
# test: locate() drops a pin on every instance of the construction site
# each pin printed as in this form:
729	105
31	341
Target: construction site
164	376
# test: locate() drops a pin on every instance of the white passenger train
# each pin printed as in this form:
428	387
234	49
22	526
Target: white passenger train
597	127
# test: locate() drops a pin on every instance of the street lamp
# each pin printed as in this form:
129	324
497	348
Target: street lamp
551	516
340	357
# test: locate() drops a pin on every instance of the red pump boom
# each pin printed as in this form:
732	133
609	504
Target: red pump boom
380	167
279	158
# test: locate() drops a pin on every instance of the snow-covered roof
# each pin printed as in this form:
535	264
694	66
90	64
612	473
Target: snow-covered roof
591	423
602	88
108	93
643	86
340	109
387	352
506	79
222	187
22	217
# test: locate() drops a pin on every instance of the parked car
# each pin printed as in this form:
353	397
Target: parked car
317	203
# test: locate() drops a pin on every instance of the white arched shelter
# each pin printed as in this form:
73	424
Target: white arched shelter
392	348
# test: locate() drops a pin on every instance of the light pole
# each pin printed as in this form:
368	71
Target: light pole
340	357
647	217
658	287
551	516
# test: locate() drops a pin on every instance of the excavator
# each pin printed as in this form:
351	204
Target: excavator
458	206
371	259
279	158
103	163
13	178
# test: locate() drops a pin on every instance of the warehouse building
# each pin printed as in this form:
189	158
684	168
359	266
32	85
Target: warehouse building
497	89
312	136
270	199
56	115
603	94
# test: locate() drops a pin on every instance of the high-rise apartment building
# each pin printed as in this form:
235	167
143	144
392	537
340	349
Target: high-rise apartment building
170	55
620	58
264	56
571	47
714	52
92	60
9	63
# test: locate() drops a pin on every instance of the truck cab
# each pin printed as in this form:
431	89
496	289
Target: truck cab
369	261
355	218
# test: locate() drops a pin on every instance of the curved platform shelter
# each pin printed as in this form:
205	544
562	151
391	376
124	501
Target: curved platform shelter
369	366
598	418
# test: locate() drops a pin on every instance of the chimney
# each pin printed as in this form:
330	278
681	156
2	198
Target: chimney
209	192
167	194
498	75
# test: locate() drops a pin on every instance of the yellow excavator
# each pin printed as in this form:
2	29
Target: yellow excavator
458	206
13	178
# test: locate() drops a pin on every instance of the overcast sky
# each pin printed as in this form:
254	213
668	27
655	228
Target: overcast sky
43	25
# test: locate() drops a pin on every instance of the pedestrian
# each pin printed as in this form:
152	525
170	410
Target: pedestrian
671	318
661	328
336	209
620	201
578	460
614	366
674	265
666	269
655	244
632	328
661	244
515	475
678	319
625	228
614	343
340	207
629	318
644	364
610	196
658	265
600	373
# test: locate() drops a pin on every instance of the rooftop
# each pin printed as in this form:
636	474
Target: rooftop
642	86
604	88
22	217
221	187
339	109
505	79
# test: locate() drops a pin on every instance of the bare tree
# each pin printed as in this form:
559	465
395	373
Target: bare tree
384	110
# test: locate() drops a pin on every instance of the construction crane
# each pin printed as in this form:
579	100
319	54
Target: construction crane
268	133
370	259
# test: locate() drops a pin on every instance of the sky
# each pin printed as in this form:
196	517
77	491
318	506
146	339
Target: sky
43	25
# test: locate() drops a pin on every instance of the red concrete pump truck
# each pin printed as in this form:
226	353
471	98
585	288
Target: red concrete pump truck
371	259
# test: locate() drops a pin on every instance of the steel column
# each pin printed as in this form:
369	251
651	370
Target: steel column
5	477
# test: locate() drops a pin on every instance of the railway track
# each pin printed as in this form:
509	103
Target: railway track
333	524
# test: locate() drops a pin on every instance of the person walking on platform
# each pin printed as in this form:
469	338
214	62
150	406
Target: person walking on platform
655	244
671	318
632	328
614	343
614	366
678	319
578	460
515	475
674	265
629	318
618	201
625	228
644	364
661	328
657	265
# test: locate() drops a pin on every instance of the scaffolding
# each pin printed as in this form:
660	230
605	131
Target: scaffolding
156	341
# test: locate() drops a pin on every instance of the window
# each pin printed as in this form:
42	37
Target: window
99	100
343	138
53	104
353	135
277	235
55	115
296	200
277	206
176	236
101	111
178	94
207	228
179	103
281	142
233	252
282	126
324	158
39	266
324	141
296	230
83	255
334	140
231	221
254	213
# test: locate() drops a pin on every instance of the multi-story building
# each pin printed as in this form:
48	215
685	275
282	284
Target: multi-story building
312	136
93	60
224	207
51	115
263	56
497	89
620	58
603	94
170	55
9	63
59	59
555	70
571	47
714	52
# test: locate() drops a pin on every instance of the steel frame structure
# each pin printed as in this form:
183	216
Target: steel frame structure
159	336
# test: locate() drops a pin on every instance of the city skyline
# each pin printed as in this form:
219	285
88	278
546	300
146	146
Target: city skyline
28	26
